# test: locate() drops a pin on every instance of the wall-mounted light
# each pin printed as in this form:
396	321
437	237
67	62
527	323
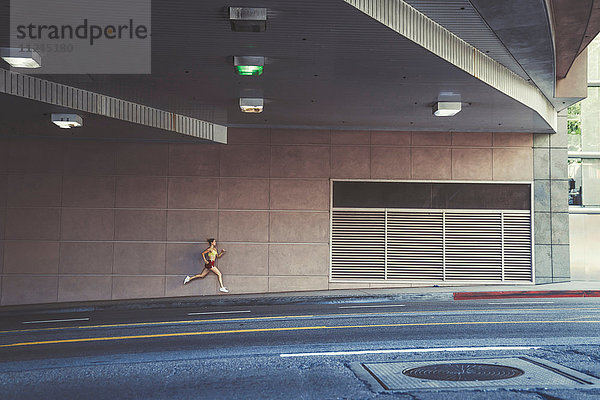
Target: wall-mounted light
248	19
249	65
21	58
251	105
446	108
66	121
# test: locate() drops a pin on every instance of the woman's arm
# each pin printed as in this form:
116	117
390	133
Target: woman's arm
221	254
203	253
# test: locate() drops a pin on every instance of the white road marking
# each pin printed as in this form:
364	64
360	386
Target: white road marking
384	305
528	302
219	312
434	350
56	320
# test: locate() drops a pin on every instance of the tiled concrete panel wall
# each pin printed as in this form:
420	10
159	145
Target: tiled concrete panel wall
243	193
243	226
141	192
34	190
472	164
88	191
89	220
188	160
32	223
244	160
27	289
551	218
86	258
432	163
390	162
299	194
193	192
30	257
77	288
351	162
300	162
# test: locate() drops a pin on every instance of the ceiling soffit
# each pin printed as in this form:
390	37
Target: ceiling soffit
415	26
576	24
524	28
327	66
463	20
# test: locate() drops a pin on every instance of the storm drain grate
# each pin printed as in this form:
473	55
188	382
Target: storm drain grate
463	372
522	372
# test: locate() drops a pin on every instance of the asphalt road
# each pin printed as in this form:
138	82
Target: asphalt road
294	351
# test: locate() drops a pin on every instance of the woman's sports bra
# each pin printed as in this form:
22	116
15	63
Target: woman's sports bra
212	254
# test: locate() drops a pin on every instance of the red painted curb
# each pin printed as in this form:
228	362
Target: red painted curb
525	294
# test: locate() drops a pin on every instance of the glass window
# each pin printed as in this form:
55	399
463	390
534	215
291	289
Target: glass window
594	61
575	182
590	121
590	172
583	128
574	127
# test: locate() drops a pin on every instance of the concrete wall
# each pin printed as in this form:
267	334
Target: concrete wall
84	220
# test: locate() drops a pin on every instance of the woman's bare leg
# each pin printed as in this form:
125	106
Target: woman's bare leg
200	275
219	275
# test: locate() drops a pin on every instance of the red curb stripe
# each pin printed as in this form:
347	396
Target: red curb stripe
525	294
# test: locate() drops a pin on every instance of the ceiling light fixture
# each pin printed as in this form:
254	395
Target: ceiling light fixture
248	19
249	65
21	58
446	108
251	105
66	121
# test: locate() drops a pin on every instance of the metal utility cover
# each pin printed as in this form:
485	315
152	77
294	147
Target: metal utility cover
537	373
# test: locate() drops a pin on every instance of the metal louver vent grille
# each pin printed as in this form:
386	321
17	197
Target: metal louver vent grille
517	247
436	245
414	245
474	246
358	245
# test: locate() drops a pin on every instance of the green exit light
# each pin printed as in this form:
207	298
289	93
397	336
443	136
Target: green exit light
246	70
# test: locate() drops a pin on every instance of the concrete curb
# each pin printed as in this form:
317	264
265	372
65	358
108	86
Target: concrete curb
528	294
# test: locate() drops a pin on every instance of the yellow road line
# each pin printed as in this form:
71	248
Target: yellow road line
191	321
197	321
167	335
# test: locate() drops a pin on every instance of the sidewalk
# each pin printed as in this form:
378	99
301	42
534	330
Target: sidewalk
426	293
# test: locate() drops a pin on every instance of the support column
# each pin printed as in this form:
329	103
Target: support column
551	205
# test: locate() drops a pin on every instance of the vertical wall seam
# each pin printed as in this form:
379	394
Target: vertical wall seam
60	214
166	213
112	265
270	141
329	203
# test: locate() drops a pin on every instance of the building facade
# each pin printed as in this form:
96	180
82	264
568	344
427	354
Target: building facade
382	144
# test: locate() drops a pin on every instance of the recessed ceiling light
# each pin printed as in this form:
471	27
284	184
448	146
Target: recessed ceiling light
251	105
446	108
248	19
249	65
66	121
21	58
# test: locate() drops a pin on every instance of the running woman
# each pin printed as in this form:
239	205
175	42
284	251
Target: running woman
209	266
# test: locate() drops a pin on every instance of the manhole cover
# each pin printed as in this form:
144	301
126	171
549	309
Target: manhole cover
463	372
510	372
